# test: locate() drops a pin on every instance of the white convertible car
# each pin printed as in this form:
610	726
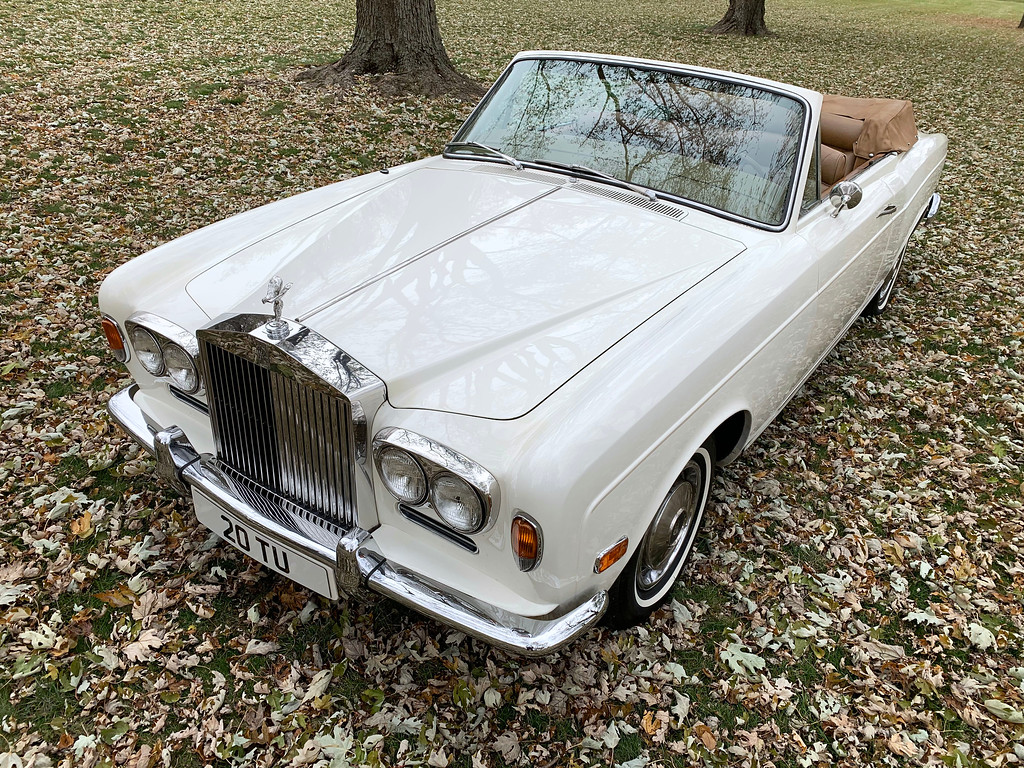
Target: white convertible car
494	385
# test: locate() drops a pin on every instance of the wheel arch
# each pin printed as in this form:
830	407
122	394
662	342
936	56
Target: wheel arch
730	437
642	489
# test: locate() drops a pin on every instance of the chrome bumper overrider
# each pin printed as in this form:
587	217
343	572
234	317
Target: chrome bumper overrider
353	558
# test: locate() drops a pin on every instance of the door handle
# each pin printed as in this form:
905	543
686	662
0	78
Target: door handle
889	209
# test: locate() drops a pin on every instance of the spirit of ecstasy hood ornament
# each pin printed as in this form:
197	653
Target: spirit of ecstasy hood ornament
276	328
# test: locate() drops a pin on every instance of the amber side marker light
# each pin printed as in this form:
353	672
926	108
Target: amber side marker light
527	542
611	556
115	339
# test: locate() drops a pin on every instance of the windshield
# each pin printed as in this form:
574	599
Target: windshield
728	146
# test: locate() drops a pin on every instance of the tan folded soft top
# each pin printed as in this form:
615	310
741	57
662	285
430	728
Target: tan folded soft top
888	124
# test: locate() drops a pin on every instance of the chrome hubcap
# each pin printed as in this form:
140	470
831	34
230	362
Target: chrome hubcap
672	528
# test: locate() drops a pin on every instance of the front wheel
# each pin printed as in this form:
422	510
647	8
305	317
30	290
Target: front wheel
650	573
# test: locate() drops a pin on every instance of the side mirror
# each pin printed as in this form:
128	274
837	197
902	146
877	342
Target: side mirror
845	194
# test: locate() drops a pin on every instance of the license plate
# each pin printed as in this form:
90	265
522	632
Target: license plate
276	555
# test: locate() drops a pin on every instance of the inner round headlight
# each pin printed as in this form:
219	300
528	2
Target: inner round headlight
181	368
147	347
457	502
402	475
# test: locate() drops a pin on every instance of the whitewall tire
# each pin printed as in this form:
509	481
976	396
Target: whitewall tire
665	547
880	301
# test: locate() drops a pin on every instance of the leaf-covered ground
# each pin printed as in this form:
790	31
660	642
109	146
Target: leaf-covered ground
858	598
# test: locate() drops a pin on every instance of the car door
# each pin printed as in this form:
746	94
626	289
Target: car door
903	213
851	250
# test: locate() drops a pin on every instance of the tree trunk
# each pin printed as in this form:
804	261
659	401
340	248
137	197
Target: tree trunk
400	42
744	17
1021	25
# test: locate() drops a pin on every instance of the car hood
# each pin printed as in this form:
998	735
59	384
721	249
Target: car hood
469	287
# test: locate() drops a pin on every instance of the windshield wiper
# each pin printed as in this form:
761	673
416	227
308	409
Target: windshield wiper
496	152
648	193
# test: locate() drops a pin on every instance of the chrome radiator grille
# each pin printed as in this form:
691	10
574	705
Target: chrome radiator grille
290	438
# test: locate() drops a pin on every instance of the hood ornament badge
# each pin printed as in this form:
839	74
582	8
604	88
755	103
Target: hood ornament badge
277	328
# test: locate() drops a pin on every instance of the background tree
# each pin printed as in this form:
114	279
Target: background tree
744	17
400	41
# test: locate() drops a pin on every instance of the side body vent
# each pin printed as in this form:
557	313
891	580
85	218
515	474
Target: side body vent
625	196
434	526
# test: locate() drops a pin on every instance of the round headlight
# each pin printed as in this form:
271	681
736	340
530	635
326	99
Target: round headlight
402	475
457	502
147	347
181	368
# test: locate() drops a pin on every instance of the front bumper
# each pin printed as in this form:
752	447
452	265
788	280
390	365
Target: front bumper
352	556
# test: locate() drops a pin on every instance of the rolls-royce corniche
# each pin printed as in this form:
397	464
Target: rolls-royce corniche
494	384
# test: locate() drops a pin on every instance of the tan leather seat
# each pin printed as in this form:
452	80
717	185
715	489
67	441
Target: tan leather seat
879	126
840	132
835	164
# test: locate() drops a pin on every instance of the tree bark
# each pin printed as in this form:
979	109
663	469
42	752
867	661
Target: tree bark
744	17
399	41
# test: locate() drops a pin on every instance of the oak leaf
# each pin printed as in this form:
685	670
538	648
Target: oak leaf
141	648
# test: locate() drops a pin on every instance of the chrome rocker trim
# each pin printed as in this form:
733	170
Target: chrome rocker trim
354	560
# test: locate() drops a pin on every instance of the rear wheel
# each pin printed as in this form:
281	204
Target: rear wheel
664	549
880	301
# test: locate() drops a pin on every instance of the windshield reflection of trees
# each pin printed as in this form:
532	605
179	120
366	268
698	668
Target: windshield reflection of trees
723	144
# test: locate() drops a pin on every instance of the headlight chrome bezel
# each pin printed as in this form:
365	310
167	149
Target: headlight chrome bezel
437	460
168	336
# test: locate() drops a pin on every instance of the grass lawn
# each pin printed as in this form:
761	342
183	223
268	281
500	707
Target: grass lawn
1007	10
857	599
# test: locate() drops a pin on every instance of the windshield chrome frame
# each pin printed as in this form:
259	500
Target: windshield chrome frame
640	64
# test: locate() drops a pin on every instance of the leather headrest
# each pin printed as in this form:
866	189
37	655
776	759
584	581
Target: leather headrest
839	131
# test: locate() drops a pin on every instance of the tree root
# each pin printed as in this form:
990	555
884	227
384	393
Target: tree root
743	17
733	27
430	79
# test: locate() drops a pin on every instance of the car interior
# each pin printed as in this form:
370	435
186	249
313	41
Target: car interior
856	131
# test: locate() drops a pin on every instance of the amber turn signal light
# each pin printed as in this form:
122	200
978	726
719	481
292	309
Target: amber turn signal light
527	542
114	339
611	556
